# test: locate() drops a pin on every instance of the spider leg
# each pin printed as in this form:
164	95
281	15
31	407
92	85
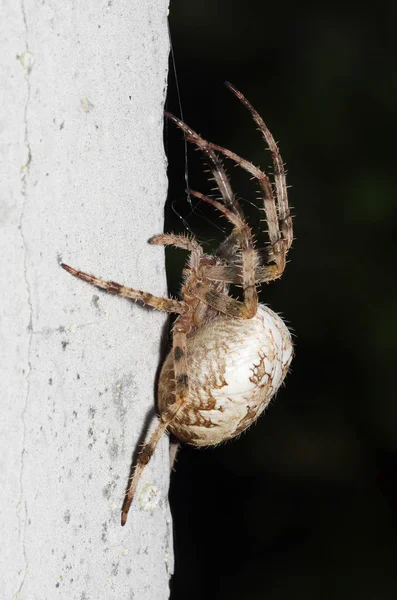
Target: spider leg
248	253
221	302
228	249
181	394
217	167
276	214
180	241
164	304
279	171
218	172
143	458
269	202
232	274
174	448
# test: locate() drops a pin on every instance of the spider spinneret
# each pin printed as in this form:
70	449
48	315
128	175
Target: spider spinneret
228	357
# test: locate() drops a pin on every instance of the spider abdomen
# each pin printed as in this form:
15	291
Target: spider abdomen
235	366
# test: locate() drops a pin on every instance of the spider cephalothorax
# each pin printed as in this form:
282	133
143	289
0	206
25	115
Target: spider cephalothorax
228	357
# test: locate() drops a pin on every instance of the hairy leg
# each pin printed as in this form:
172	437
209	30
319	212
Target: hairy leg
180	241
247	250
174	448
221	302
276	214
217	167
181	395
232	274
269	202
220	176
279	171
164	304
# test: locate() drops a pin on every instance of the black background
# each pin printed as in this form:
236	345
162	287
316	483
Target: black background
304	504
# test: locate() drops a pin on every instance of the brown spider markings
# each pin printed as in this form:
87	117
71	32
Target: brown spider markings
204	294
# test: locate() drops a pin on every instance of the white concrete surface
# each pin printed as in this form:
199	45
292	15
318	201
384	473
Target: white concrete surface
83	178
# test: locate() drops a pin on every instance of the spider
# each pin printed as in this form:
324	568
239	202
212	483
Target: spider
228	357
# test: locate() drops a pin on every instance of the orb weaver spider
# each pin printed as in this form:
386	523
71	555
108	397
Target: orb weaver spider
228	357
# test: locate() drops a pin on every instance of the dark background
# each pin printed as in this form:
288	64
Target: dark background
304	504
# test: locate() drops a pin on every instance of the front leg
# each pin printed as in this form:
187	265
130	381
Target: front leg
164	304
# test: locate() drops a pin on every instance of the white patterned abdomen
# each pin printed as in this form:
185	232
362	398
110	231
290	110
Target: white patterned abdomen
235	366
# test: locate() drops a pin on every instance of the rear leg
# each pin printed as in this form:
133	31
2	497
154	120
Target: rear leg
167	416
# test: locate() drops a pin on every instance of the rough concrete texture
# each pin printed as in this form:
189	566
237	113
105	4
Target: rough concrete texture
83	177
